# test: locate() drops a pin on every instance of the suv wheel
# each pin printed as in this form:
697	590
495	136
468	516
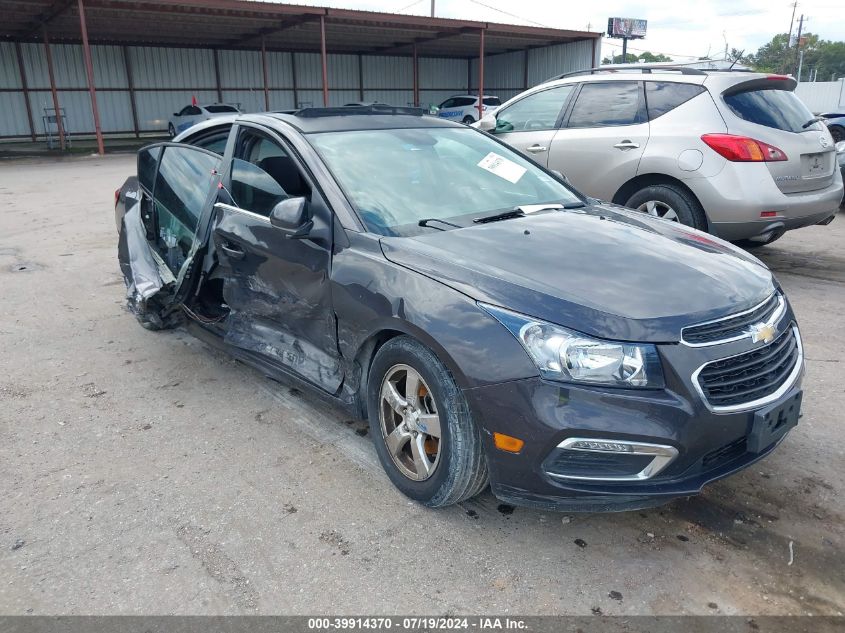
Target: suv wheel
669	202
171	130
468	120
837	132
420	422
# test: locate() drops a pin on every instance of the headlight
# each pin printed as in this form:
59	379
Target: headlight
562	354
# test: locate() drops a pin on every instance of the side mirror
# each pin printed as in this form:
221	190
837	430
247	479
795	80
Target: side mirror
175	114
561	176
290	215
487	123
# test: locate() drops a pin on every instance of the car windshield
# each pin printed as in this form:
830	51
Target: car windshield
397	177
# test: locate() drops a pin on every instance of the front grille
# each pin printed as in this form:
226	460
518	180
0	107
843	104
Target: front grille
725	454
752	375
720	330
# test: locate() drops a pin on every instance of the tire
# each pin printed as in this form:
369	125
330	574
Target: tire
171	130
682	204
468	120
837	132
459	468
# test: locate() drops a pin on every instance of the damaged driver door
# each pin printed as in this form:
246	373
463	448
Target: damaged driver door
276	278
159	234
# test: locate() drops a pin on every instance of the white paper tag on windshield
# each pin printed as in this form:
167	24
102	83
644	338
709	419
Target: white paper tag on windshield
502	167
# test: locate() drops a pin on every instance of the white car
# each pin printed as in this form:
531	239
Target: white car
464	108
192	114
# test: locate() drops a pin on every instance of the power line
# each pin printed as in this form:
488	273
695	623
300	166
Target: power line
512	15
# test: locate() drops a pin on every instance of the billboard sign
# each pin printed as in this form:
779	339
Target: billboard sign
626	27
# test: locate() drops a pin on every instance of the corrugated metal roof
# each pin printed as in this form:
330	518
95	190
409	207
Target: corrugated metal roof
242	24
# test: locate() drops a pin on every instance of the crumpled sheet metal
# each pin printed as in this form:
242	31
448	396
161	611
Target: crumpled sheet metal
136	261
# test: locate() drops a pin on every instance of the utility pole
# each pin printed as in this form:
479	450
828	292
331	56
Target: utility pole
785	64
798	44
624	50
432	8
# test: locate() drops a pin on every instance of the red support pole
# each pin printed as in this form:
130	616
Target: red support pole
264	73
480	76
59	124
25	89
323	56
217	75
89	67
416	78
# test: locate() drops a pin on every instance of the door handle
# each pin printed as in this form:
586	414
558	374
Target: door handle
233	251
623	145
536	149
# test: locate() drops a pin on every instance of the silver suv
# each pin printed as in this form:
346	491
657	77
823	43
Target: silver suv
733	153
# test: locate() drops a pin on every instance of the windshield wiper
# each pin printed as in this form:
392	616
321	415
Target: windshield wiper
574	205
502	215
428	221
811	121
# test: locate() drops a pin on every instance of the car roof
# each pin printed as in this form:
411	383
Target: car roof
336	120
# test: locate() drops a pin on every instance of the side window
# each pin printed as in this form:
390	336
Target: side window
264	174
182	186
663	96
492	101
215	142
147	163
185	111
449	103
539	111
194	111
607	104
466	101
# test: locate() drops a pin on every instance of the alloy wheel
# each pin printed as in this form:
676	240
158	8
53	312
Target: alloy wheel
659	210
410	423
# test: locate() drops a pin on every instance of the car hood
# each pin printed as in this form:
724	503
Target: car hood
601	270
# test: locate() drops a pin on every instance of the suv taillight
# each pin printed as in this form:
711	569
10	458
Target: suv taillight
742	149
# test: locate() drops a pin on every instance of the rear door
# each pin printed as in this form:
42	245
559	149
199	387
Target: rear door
765	110
600	145
530	124
162	231
276	288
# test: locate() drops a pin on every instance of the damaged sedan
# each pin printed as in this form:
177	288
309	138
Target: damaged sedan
493	325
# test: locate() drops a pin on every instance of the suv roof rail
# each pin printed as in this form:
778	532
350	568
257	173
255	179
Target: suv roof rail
644	68
375	109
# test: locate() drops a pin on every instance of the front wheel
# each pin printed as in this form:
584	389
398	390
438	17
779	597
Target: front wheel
171	130
420	422
468	120
837	132
669	202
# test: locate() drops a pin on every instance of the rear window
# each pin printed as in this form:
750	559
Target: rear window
779	109
219	109
147	164
492	101
663	96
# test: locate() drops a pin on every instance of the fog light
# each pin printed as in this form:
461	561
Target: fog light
507	443
610	447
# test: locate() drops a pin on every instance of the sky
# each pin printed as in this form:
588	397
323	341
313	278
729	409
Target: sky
678	28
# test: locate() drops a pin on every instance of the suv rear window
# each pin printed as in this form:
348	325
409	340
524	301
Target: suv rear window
607	104
779	109
492	101
663	96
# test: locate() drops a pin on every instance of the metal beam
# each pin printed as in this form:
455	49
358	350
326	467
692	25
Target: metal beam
131	85
59	123
272	30
293	80
89	68
25	88
45	17
323	58
217	75
264	76
480	75
416	77
399	46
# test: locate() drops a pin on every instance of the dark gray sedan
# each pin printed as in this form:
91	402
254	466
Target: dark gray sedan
491	323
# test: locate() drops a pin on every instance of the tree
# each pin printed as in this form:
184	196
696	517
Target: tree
646	57
827	57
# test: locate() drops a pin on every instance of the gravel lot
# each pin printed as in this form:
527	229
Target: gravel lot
144	473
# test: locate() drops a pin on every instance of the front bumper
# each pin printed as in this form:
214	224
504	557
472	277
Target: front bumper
544	414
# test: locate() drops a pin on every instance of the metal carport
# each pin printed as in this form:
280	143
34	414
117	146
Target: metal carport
122	60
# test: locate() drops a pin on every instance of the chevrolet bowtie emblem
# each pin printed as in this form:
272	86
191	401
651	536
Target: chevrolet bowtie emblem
763	332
